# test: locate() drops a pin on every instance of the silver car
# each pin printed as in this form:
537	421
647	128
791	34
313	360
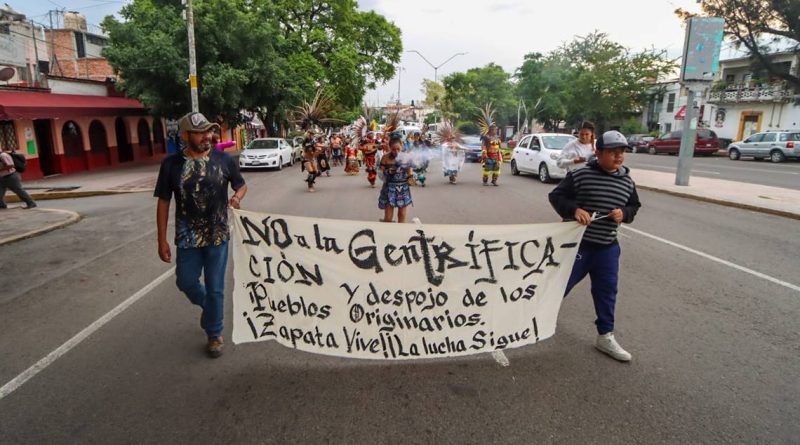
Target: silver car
776	146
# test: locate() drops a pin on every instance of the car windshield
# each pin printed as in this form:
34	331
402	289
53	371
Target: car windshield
263	143
556	142
472	140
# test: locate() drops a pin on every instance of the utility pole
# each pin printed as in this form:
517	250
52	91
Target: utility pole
700	64
37	78
192	56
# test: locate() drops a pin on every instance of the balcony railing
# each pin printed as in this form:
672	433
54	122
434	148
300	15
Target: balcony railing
745	93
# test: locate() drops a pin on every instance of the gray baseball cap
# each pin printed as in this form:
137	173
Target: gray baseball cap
612	139
195	122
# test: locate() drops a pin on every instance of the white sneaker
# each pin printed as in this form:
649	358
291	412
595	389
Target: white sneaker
607	344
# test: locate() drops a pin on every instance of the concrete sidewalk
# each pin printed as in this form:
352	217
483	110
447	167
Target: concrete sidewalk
16	223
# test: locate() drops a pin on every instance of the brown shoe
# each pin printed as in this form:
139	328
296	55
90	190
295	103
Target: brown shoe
214	347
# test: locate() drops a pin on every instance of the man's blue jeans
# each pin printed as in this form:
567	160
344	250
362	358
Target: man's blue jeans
602	266
211	261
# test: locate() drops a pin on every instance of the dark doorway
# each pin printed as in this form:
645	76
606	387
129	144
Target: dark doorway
99	144
158	136
145	145
44	143
123	146
74	155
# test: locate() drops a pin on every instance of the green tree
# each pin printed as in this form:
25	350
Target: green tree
541	85
605	81
466	93
756	25
260	55
434	92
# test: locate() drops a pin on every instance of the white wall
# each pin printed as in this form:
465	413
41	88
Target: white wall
66	87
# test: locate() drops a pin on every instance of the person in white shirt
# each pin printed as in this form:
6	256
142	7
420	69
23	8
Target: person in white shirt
576	153
10	179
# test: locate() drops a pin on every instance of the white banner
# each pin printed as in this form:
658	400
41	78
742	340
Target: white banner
397	291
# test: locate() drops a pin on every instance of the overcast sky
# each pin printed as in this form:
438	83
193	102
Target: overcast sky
499	31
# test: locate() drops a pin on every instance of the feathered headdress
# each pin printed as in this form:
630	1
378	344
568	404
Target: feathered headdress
447	134
311	115
392	123
361	127
486	119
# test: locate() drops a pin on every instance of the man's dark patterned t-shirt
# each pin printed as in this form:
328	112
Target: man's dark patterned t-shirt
200	187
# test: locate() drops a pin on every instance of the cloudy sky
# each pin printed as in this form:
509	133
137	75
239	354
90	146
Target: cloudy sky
499	31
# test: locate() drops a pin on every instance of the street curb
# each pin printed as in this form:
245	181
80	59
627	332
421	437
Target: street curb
68	195
73	218
723	202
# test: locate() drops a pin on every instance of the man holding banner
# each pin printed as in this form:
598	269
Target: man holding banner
603	187
198	177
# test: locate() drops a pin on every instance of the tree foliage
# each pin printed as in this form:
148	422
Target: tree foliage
590	78
260	55
758	24
466	93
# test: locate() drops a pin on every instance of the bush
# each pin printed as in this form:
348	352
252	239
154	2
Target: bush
632	126
468	127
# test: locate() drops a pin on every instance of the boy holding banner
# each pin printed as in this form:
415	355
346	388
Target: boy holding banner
603	187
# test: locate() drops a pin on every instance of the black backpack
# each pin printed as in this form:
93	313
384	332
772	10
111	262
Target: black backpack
19	162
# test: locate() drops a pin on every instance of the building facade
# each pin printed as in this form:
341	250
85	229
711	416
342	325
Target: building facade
744	101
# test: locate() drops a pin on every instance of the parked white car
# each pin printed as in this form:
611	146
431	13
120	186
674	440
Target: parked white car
538	154
267	153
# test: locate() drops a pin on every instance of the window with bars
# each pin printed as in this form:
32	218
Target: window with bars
8	136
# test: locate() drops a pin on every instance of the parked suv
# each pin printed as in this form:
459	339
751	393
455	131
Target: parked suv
776	146
706	143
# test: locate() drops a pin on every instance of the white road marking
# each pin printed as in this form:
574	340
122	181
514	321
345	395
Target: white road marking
755	273
42	364
706	172
500	357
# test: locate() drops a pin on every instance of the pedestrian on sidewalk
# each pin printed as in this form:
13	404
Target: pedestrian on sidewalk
579	151
605	187
198	178
11	180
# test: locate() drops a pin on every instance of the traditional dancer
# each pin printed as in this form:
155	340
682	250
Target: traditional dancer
351	158
420	164
337	146
323	156
491	157
310	116
396	190
453	156
310	155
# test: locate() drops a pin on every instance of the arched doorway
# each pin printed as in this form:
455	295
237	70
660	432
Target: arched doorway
159	145
99	145
145	144
123	146
74	156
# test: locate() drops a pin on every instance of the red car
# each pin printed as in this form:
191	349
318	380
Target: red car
706	143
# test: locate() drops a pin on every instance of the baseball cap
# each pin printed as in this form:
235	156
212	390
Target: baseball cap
611	139
195	122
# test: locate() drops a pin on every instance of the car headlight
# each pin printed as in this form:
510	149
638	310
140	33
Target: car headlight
272	155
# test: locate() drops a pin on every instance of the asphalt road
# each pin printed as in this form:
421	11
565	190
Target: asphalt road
785	174
716	350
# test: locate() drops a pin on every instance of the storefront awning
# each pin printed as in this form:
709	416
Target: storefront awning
28	105
681	114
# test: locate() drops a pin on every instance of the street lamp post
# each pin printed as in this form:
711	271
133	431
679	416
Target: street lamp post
436	67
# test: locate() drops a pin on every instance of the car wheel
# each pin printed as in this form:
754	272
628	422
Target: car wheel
291	161
651	149
734	154
514	169
280	163
544	174
776	156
